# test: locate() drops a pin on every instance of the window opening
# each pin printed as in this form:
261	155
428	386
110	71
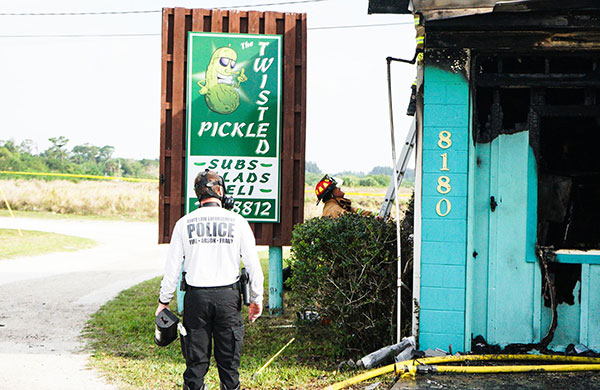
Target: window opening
514	103
569	183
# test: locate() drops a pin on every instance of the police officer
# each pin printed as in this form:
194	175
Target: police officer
212	240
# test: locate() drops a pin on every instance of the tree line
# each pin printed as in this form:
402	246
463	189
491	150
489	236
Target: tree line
94	160
378	176
83	159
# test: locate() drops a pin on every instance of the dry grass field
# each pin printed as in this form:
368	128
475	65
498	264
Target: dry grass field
101	198
137	200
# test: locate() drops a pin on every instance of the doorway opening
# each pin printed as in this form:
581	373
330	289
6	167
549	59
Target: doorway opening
556	98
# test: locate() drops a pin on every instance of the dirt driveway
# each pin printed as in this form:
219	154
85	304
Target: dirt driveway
46	300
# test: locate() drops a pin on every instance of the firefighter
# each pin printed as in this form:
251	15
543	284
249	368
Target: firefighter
212	240
328	191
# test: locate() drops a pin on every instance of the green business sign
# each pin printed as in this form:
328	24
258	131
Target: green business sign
234	118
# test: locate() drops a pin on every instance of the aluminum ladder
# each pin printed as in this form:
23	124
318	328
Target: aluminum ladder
401	166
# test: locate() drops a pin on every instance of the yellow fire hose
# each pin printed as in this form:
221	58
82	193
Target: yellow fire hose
512	369
365	376
410	367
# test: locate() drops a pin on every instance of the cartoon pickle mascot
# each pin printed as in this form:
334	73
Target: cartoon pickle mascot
218	88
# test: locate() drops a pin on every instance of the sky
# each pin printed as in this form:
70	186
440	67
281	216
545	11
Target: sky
62	75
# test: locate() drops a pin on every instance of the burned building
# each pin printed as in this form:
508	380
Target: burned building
507	240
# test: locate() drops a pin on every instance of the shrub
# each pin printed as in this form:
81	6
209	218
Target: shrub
382	180
367	181
345	269
349	180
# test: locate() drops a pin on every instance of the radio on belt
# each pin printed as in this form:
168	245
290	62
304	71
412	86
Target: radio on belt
245	287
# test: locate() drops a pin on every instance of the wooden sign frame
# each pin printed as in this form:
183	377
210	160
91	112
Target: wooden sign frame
177	22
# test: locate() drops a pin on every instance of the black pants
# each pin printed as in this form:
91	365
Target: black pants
212	314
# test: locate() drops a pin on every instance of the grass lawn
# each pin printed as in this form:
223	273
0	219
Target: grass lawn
36	243
121	335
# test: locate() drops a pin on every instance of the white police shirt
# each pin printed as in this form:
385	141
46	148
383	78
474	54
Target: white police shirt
212	241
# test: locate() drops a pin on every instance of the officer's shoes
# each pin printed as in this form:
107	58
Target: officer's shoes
204	387
225	388
186	387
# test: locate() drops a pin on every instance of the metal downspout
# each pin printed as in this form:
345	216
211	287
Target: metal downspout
396	202
416	284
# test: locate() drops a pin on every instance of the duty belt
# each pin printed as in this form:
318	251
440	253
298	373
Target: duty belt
233	286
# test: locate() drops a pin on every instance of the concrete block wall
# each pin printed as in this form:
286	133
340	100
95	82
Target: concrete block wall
444	209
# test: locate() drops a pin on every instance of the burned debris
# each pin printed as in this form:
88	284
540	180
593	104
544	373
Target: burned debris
569	182
556	98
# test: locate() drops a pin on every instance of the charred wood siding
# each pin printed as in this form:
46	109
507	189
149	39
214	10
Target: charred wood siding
513	92
177	22
389	7
524	32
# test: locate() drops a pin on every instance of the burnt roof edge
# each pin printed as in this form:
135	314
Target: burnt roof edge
450	9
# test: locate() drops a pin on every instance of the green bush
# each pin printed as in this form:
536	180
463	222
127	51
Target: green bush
367	181
349	180
345	269
382	180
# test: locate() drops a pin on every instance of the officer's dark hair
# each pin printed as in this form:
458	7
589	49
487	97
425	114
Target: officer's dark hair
205	185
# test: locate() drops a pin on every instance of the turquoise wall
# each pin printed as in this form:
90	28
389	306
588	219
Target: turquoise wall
444	231
589	325
502	284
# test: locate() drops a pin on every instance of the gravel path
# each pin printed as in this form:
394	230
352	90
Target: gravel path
46	300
